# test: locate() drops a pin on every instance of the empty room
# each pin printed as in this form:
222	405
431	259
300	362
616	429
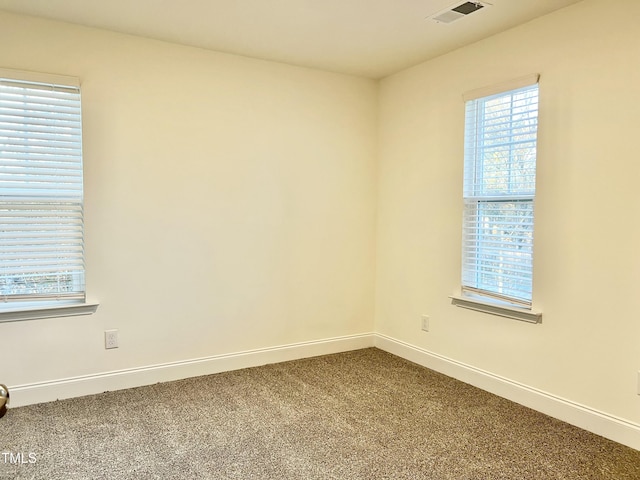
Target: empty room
297	239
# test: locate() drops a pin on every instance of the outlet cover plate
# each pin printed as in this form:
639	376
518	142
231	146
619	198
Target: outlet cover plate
110	339
425	323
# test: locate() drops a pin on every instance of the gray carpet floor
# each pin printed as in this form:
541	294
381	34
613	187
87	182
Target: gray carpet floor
357	415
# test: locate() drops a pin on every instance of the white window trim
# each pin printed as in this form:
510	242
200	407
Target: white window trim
514	84
47	310
523	314
19	311
483	304
38	77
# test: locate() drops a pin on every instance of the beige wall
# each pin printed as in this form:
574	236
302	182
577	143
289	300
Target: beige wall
587	237
229	203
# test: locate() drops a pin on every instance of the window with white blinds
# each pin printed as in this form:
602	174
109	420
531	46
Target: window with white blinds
499	193
41	192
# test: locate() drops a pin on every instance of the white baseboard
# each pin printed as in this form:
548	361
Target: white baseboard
608	426
605	425
30	394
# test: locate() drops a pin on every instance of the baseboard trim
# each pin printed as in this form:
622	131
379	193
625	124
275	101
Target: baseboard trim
41	392
600	423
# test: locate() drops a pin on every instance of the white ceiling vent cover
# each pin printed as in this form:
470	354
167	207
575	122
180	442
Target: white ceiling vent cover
457	11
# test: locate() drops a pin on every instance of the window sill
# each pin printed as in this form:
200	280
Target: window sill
522	314
49	310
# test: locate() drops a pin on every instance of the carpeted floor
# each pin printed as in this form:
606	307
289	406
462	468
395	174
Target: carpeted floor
358	415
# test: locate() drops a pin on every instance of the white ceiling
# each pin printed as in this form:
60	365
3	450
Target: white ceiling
371	38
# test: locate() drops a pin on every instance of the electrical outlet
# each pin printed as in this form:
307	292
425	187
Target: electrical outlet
638	383
425	323
110	339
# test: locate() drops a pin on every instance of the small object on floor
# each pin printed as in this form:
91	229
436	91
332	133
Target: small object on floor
4	399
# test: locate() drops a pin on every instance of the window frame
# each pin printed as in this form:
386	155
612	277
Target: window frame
37	305
473	296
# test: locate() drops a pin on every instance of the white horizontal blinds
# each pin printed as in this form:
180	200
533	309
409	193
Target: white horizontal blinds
499	191
41	206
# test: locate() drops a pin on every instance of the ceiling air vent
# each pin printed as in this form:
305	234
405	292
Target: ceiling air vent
458	11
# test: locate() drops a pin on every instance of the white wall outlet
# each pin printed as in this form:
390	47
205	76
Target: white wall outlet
425	323
110	339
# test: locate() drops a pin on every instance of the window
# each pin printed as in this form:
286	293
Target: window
41	191
499	193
